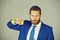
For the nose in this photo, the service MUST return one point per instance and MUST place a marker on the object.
(34, 17)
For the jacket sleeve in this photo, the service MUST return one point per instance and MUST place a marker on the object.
(50, 35)
(14, 26)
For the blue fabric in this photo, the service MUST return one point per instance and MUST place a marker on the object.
(32, 33)
(45, 32)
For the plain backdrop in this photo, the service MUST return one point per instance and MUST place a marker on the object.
(10, 9)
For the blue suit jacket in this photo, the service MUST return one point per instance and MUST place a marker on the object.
(45, 32)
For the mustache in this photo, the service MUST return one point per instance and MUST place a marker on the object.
(34, 20)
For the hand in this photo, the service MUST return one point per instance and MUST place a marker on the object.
(18, 21)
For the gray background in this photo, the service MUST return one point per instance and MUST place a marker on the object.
(10, 9)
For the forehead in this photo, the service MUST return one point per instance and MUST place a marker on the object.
(35, 12)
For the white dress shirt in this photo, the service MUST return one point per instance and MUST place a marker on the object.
(37, 29)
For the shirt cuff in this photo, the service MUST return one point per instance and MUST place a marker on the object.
(13, 21)
(22, 22)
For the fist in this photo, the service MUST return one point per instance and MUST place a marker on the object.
(19, 21)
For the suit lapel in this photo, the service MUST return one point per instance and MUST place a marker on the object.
(27, 29)
(41, 32)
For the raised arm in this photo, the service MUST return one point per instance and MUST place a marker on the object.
(15, 24)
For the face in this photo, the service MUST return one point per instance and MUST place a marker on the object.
(35, 17)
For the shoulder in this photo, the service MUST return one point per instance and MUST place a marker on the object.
(27, 22)
(47, 27)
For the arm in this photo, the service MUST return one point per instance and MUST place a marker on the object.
(13, 24)
(50, 35)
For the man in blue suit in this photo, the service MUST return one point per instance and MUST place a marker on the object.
(34, 29)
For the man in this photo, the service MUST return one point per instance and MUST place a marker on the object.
(34, 29)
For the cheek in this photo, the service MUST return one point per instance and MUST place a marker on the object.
(32, 18)
(37, 18)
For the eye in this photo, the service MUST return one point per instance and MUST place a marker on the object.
(32, 15)
(36, 15)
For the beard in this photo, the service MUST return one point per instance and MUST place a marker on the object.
(35, 22)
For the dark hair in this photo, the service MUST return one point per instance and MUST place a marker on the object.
(36, 8)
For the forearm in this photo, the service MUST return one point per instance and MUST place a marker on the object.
(12, 25)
